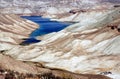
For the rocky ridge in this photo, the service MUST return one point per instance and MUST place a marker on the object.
(50, 7)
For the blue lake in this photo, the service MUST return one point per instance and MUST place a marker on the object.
(46, 26)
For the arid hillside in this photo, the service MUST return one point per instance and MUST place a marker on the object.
(12, 30)
(88, 49)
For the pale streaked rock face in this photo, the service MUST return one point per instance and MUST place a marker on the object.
(13, 29)
(89, 46)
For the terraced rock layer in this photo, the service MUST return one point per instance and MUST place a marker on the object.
(13, 28)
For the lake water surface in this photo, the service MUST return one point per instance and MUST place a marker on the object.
(45, 26)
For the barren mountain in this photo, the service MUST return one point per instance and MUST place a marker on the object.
(90, 46)
(43, 7)
(87, 49)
